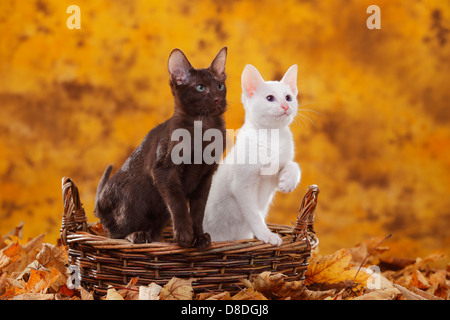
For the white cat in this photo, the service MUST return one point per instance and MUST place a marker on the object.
(241, 191)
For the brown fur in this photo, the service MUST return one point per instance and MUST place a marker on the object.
(149, 189)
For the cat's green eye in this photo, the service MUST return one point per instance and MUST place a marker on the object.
(200, 88)
(221, 86)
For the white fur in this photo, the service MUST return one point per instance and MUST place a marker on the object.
(241, 193)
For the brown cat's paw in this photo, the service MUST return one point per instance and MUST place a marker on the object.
(203, 242)
(139, 237)
(184, 238)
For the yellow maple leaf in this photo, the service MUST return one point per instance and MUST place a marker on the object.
(333, 268)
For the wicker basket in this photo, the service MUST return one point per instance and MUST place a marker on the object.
(103, 261)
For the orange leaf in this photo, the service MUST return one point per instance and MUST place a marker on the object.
(327, 268)
(66, 291)
(37, 278)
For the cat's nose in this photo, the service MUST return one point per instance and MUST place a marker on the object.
(284, 107)
(217, 101)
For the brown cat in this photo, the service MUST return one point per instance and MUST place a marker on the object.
(150, 188)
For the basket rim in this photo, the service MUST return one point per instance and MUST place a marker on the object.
(74, 229)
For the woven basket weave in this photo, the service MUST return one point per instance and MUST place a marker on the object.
(103, 261)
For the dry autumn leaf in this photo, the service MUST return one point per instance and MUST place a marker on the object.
(86, 295)
(333, 268)
(273, 286)
(177, 289)
(52, 256)
(112, 294)
(249, 294)
(220, 296)
(383, 294)
(150, 292)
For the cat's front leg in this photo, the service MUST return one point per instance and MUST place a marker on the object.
(169, 186)
(197, 204)
(289, 177)
(246, 195)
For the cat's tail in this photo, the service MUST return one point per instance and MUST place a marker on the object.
(101, 185)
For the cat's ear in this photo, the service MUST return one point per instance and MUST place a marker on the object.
(251, 79)
(218, 64)
(179, 67)
(290, 79)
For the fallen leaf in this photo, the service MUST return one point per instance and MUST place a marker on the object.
(307, 294)
(86, 295)
(17, 232)
(17, 258)
(269, 284)
(52, 256)
(425, 295)
(150, 292)
(56, 280)
(337, 286)
(220, 296)
(112, 294)
(33, 296)
(131, 291)
(177, 289)
(249, 294)
(409, 295)
(64, 290)
(395, 263)
(367, 251)
(333, 268)
(37, 281)
(383, 294)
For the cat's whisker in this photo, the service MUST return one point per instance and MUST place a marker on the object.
(297, 119)
(308, 118)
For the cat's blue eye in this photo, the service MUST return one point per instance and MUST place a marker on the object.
(221, 86)
(200, 88)
(270, 98)
(288, 98)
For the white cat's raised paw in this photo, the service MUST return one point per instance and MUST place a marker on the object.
(289, 178)
(271, 238)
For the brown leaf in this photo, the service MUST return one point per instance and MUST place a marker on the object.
(274, 286)
(177, 289)
(383, 294)
(2, 284)
(33, 247)
(425, 294)
(52, 256)
(409, 295)
(395, 263)
(368, 250)
(150, 292)
(220, 296)
(131, 291)
(17, 232)
(86, 295)
(307, 294)
(33, 296)
(112, 294)
(338, 286)
(249, 294)
(269, 284)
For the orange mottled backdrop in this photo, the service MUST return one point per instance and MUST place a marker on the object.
(375, 130)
